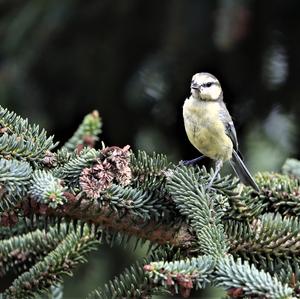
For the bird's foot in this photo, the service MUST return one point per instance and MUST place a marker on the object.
(209, 185)
(191, 162)
(218, 167)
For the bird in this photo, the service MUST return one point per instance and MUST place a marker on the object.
(210, 129)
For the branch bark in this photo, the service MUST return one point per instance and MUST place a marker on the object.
(90, 212)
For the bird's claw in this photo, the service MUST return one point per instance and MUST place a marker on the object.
(186, 162)
(191, 162)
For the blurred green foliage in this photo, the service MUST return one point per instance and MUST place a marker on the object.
(133, 60)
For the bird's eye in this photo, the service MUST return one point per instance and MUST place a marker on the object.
(209, 84)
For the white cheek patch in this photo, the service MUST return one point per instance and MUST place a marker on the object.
(211, 93)
(215, 92)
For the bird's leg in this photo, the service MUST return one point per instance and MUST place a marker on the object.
(191, 162)
(219, 164)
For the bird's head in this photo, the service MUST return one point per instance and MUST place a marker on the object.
(206, 87)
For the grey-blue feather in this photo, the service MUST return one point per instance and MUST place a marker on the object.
(241, 171)
(236, 161)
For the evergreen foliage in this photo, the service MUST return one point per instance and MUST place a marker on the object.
(21, 140)
(227, 273)
(56, 204)
(203, 210)
(17, 253)
(47, 273)
(57, 292)
(71, 170)
(14, 181)
(132, 283)
(291, 167)
(87, 133)
(183, 273)
(250, 281)
(47, 189)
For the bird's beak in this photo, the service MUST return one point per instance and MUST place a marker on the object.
(195, 86)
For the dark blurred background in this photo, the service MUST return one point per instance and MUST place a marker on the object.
(133, 61)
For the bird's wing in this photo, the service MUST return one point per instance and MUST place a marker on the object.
(230, 131)
(229, 126)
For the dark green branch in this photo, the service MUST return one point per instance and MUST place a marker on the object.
(91, 212)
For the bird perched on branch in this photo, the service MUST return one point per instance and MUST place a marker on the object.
(210, 129)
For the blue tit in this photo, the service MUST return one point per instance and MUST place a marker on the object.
(210, 128)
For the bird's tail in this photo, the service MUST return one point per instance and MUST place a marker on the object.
(241, 171)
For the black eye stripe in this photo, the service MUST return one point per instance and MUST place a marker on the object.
(208, 84)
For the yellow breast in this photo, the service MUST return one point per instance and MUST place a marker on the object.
(206, 130)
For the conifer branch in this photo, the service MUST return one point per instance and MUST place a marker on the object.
(48, 272)
(269, 234)
(87, 133)
(228, 234)
(47, 189)
(17, 251)
(71, 170)
(14, 182)
(247, 280)
(239, 279)
(278, 194)
(20, 140)
(132, 283)
(91, 212)
(203, 210)
(182, 276)
(56, 292)
(291, 167)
